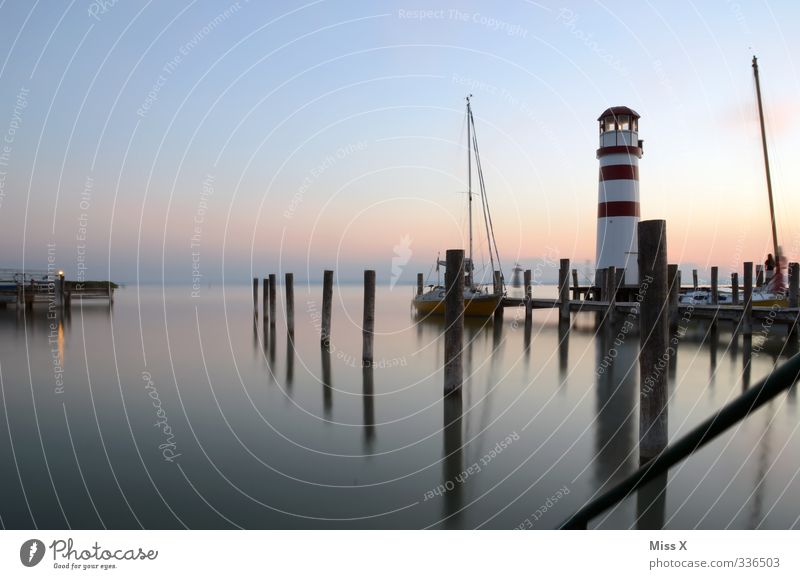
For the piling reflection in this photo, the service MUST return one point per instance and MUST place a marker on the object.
(563, 349)
(368, 396)
(616, 389)
(327, 388)
(713, 350)
(528, 331)
(453, 463)
(651, 504)
(747, 354)
(290, 356)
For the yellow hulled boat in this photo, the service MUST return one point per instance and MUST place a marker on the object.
(476, 303)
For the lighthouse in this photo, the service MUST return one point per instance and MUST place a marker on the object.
(618, 191)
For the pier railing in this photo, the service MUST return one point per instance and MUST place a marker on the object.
(779, 380)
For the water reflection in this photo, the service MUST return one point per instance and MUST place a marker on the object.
(563, 349)
(290, 355)
(651, 504)
(747, 353)
(368, 396)
(453, 463)
(616, 389)
(327, 387)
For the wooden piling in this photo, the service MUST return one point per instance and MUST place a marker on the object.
(255, 296)
(368, 329)
(674, 295)
(563, 289)
(715, 285)
(264, 297)
(654, 336)
(735, 288)
(420, 282)
(528, 295)
(794, 284)
(601, 292)
(497, 283)
(273, 294)
(747, 312)
(454, 321)
(327, 303)
(527, 278)
(694, 279)
(289, 281)
(759, 275)
(576, 292)
(611, 291)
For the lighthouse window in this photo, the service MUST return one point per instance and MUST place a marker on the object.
(624, 122)
(635, 125)
(610, 124)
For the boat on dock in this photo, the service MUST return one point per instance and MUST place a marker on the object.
(479, 300)
(773, 292)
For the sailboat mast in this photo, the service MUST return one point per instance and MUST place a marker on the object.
(469, 185)
(766, 161)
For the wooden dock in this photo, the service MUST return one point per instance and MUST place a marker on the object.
(700, 311)
(27, 288)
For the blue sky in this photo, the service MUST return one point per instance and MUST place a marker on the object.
(331, 130)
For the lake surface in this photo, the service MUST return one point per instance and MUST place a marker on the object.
(167, 411)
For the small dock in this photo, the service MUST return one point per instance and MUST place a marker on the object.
(29, 287)
(614, 298)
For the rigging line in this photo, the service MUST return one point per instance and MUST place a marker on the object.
(483, 192)
(490, 226)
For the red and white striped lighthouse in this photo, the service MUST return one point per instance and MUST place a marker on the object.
(618, 199)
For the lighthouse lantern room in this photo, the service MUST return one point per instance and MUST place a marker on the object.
(618, 198)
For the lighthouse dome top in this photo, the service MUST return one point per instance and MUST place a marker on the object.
(616, 111)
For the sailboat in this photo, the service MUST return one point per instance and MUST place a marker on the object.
(478, 300)
(773, 292)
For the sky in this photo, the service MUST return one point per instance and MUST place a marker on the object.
(184, 141)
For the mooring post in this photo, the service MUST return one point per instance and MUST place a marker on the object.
(735, 288)
(273, 294)
(759, 275)
(453, 321)
(327, 303)
(694, 279)
(528, 295)
(289, 281)
(794, 284)
(420, 281)
(60, 290)
(674, 295)
(264, 297)
(368, 330)
(611, 292)
(527, 283)
(654, 336)
(747, 312)
(715, 285)
(497, 283)
(576, 292)
(563, 289)
(255, 297)
(600, 285)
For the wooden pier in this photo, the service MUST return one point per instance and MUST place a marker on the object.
(27, 288)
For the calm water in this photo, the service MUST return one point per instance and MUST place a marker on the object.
(174, 412)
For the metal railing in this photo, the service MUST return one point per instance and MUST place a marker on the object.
(779, 380)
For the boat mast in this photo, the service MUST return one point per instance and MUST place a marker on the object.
(766, 161)
(469, 188)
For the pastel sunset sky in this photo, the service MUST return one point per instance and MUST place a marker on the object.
(249, 137)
